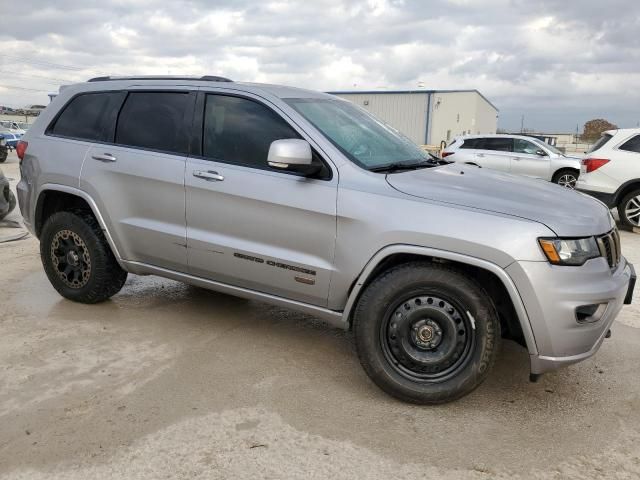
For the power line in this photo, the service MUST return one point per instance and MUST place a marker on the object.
(28, 75)
(15, 87)
(43, 63)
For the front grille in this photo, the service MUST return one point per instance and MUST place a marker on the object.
(609, 245)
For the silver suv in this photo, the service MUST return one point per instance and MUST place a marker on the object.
(518, 154)
(304, 200)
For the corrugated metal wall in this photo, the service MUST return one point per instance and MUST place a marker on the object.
(406, 112)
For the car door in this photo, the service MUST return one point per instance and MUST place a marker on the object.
(137, 180)
(526, 160)
(247, 224)
(494, 153)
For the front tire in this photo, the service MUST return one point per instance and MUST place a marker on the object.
(629, 209)
(77, 258)
(566, 177)
(426, 333)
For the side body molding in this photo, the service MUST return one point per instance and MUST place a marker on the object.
(456, 257)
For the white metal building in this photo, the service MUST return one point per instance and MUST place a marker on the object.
(429, 116)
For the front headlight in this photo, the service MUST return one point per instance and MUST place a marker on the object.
(569, 251)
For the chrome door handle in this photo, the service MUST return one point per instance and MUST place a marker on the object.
(481, 155)
(515, 158)
(105, 157)
(210, 176)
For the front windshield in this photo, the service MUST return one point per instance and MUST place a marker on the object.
(364, 139)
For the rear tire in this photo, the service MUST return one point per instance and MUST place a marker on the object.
(12, 202)
(567, 177)
(77, 258)
(629, 209)
(426, 333)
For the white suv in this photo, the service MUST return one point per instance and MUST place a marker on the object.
(611, 173)
(518, 154)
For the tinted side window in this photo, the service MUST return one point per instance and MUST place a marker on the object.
(498, 144)
(238, 130)
(472, 143)
(154, 120)
(632, 145)
(90, 116)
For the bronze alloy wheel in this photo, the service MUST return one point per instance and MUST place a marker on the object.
(70, 258)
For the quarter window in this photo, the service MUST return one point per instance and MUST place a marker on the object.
(240, 131)
(90, 116)
(601, 142)
(632, 145)
(154, 120)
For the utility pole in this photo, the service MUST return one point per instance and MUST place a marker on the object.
(522, 124)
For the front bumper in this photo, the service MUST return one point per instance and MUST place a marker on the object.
(551, 295)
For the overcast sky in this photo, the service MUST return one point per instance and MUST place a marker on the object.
(557, 62)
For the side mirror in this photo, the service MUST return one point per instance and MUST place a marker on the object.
(293, 155)
(541, 153)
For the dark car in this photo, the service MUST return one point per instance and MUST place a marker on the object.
(7, 199)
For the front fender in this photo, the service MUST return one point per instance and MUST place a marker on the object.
(452, 256)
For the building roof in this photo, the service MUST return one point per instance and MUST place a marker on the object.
(370, 92)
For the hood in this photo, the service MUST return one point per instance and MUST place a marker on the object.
(566, 212)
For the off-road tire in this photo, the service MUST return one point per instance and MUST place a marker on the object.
(105, 277)
(12, 202)
(382, 299)
(561, 174)
(622, 206)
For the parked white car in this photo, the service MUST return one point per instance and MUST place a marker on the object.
(13, 127)
(611, 173)
(517, 154)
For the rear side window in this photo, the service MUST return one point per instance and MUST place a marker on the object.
(240, 131)
(90, 116)
(498, 144)
(631, 145)
(472, 143)
(601, 142)
(154, 121)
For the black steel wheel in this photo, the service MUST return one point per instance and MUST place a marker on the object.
(427, 338)
(426, 333)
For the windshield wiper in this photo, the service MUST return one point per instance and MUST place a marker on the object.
(403, 166)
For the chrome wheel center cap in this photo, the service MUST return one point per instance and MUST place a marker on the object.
(425, 333)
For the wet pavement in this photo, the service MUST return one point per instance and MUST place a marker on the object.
(171, 381)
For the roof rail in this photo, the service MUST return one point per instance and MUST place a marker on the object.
(206, 78)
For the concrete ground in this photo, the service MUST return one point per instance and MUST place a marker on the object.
(170, 381)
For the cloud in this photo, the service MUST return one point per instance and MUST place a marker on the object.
(558, 62)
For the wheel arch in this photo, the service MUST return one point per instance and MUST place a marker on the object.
(564, 168)
(498, 284)
(626, 188)
(53, 198)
